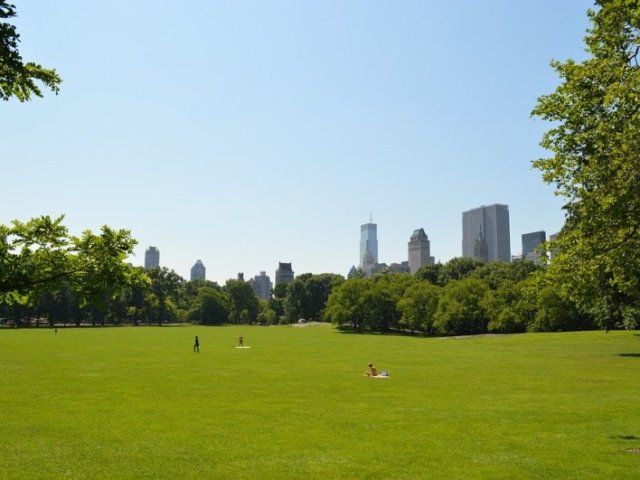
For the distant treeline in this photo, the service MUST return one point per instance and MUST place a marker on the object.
(49, 276)
(462, 297)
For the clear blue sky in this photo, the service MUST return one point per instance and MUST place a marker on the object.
(245, 133)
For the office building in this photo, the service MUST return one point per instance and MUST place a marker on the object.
(198, 272)
(480, 247)
(284, 273)
(262, 285)
(530, 243)
(368, 243)
(151, 258)
(419, 251)
(369, 264)
(486, 234)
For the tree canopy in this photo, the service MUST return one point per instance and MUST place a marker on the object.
(40, 253)
(595, 166)
(17, 78)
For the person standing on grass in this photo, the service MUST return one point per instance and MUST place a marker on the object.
(196, 345)
(241, 341)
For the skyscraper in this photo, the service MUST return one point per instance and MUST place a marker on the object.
(151, 258)
(368, 242)
(419, 251)
(530, 242)
(486, 234)
(198, 271)
(262, 285)
(480, 248)
(284, 273)
(368, 263)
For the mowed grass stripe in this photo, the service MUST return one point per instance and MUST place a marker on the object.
(138, 402)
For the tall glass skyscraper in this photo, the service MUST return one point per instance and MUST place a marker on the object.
(368, 241)
(530, 243)
(486, 234)
(151, 258)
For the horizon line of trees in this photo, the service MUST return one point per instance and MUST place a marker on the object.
(48, 275)
(462, 297)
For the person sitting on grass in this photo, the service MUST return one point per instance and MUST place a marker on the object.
(372, 372)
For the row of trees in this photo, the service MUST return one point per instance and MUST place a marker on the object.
(462, 297)
(40, 261)
(47, 274)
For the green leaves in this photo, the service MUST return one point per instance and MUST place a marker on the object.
(18, 79)
(39, 257)
(101, 269)
(244, 306)
(33, 254)
(595, 165)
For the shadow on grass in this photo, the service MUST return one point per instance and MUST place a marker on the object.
(636, 355)
(625, 437)
(392, 333)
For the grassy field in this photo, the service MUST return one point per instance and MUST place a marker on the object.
(138, 403)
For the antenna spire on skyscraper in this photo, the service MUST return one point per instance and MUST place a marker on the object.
(370, 217)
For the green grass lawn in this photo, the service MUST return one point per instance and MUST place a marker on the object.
(138, 403)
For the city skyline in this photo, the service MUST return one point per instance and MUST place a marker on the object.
(324, 111)
(419, 245)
